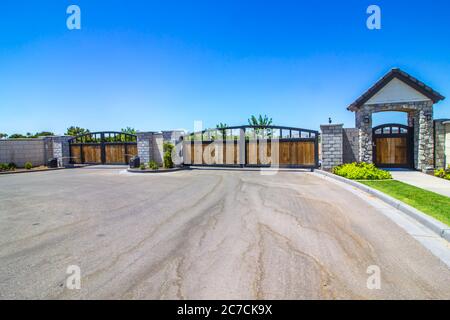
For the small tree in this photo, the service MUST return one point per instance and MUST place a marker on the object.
(76, 131)
(261, 122)
(17, 136)
(222, 126)
(167, 149)
(3, 135)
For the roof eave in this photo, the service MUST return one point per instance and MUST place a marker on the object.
(403, 76)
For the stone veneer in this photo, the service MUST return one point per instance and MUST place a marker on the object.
(350, 145)
(418, 114)
(61, 150)
(331, 145)
(442, 143)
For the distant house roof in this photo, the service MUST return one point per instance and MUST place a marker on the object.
(403, 76)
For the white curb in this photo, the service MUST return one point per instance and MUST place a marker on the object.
(436, 226)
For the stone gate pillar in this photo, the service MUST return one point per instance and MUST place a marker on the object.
(332, 145)
(61, 150)
(145, 146)
(425, 139)
(363, 120)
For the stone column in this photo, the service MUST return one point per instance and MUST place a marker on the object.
(332, 145)
(425, 139)
(439, 131)
(365, 135)
(145, 146)
(61, 150)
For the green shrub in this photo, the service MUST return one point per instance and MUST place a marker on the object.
(153, 165)
(12, 166)
(4, 167)
(443, 173)
(142, 166)
(361, 171)
(28, 165)
(167, 158)
(167, 146)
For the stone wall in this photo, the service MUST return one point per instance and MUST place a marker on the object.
(151, 144)
(442, 143)
(447, 145)
(20, 151)
(145, 146)
(332, 145)
(350, 145)
(420, 115)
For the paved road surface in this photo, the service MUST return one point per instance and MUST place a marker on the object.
(203, 235)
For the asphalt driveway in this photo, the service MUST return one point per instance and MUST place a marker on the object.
(203, 235)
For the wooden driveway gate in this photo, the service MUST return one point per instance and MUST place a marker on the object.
(393, 146)
(253, 146)
(103, 148)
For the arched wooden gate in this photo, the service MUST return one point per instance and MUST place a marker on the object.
(393, 146)
(103, 148)
(253, 146)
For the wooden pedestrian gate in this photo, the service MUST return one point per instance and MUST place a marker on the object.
(253, 146)
(103, 148)
(393, 146)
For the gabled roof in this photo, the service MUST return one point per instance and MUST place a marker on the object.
(403, 76)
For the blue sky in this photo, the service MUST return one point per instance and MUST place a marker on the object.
(157, 65)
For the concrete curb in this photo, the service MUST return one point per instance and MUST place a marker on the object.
(155, 171)
(30, 171)
(436, 226)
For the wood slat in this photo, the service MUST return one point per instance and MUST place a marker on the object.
(392, 151)
(75, 152)
(115, 154)
(92, 153)
(289, 153)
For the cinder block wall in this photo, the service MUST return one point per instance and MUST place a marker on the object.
(20, 151)
(332, 145)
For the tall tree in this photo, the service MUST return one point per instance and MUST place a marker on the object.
(129, 130)
(76, 131)
(3, 135)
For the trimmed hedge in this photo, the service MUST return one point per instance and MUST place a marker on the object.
(361, 171)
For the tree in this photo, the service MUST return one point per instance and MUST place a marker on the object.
(43, 134)
(76, 131)
(260, 121)
(222, 126)
(3, 135)
(17, 136)
(129, 130)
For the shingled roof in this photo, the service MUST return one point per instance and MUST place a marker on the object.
(403, 76)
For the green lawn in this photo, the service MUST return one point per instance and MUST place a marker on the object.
(431, 203)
